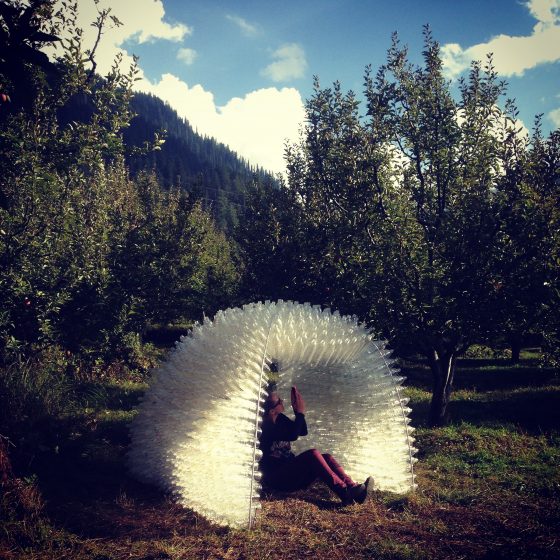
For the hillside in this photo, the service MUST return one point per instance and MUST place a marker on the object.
(199, 164)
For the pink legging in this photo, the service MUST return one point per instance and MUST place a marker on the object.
(305, 468)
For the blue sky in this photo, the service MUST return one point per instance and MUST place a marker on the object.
(241, 70)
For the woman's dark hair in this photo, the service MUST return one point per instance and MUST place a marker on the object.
(271, 388)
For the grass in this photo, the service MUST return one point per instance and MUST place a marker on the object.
(489, 487)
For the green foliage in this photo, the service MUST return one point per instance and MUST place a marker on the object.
(24, 29)
(273, 244)
(527, 269)
(171, 261)
(429, 217)
(56, 192)
(481, 351)
(89, 257)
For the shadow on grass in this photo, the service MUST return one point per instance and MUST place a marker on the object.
(533, 410)
(485, 375)
(89, 493)
(317, 494)
(503, 376)
(87, 488)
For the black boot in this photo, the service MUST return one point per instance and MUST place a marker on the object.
(358, 494)
(342, 493)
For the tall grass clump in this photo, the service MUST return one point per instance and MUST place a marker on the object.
(35, 393)
(34, 390)
(34, 387)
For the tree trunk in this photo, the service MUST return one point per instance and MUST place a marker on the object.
(515, 345)
(515, 353)
(442, 364)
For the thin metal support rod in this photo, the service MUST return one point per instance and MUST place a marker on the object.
(256, 433)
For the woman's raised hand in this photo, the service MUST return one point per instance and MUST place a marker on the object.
(298, 404)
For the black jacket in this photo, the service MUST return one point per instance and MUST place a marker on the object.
(276, 437)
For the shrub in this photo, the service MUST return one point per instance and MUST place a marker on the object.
(482, 352)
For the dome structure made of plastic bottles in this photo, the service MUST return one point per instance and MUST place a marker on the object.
(196, 434)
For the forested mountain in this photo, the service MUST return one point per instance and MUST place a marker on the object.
(200, 164)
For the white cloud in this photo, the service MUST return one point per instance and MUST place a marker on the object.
(513, 55)
(290, 63)
(143, 21)
(255, 126)
(502, 127)
(545, 11)
(248, 29)
(554, 116)
(188, 56)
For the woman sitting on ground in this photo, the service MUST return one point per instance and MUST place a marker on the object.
(282, 470)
